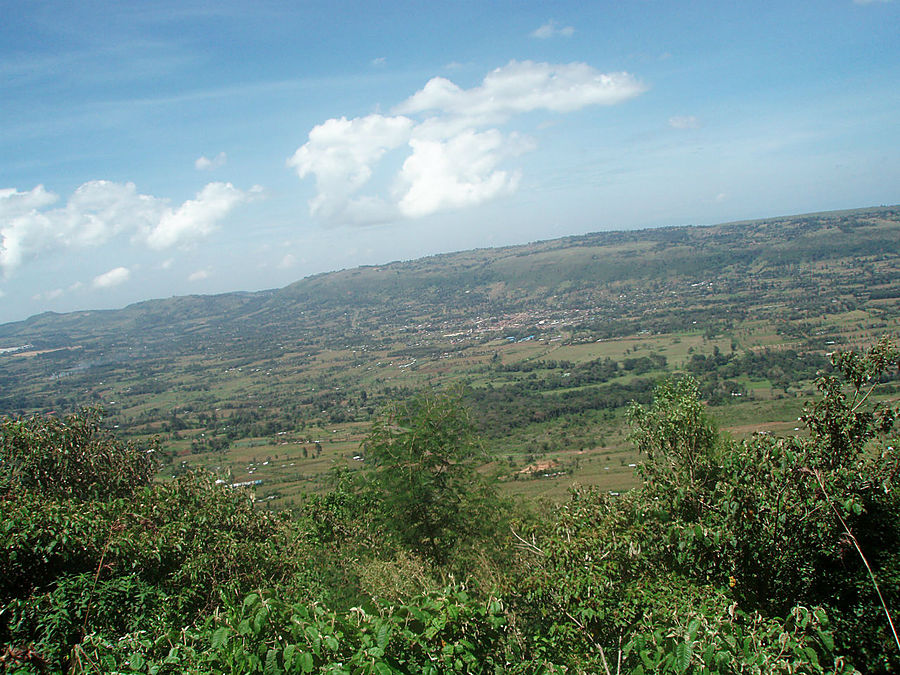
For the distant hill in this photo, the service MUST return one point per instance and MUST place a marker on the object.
(549, 341)
(573, 272)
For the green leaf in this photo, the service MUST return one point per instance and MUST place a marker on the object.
(220, 637)
(812, 656)
(827, 640)
(288, 656)
(271, 665)
(136, 662)
(260, 619)
(384, 633)
(306, 662)
(693, 627)
(682, 656)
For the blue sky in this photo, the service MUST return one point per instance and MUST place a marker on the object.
(151, 149)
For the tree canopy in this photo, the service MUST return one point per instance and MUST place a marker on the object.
(425, 457)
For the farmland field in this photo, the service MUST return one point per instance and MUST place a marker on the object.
(548, 343)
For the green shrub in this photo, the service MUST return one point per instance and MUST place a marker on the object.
(762, 556)
(71, 457)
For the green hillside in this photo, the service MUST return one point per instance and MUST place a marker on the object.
(549, 342)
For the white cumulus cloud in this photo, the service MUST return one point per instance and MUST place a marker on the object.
(197, 217)
(451, 139)
(550, 30)
(14, 203)
(341, 153)
(114, 277)
(203, 163)
(461, 171)
(96, 212)
(99, 210)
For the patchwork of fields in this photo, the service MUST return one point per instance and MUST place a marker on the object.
(547, 342)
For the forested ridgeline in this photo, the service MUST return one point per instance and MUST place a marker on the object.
(765, 555)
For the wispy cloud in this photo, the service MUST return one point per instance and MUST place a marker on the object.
(551, 30)
(684, 122)
(114, 277)
(524, 86)
(108, 64)
(52, 294)
(56, 293)
(198, 275)
(451, 140)
(205, 164)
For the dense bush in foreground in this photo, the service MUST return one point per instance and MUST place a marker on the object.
(762, 556)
